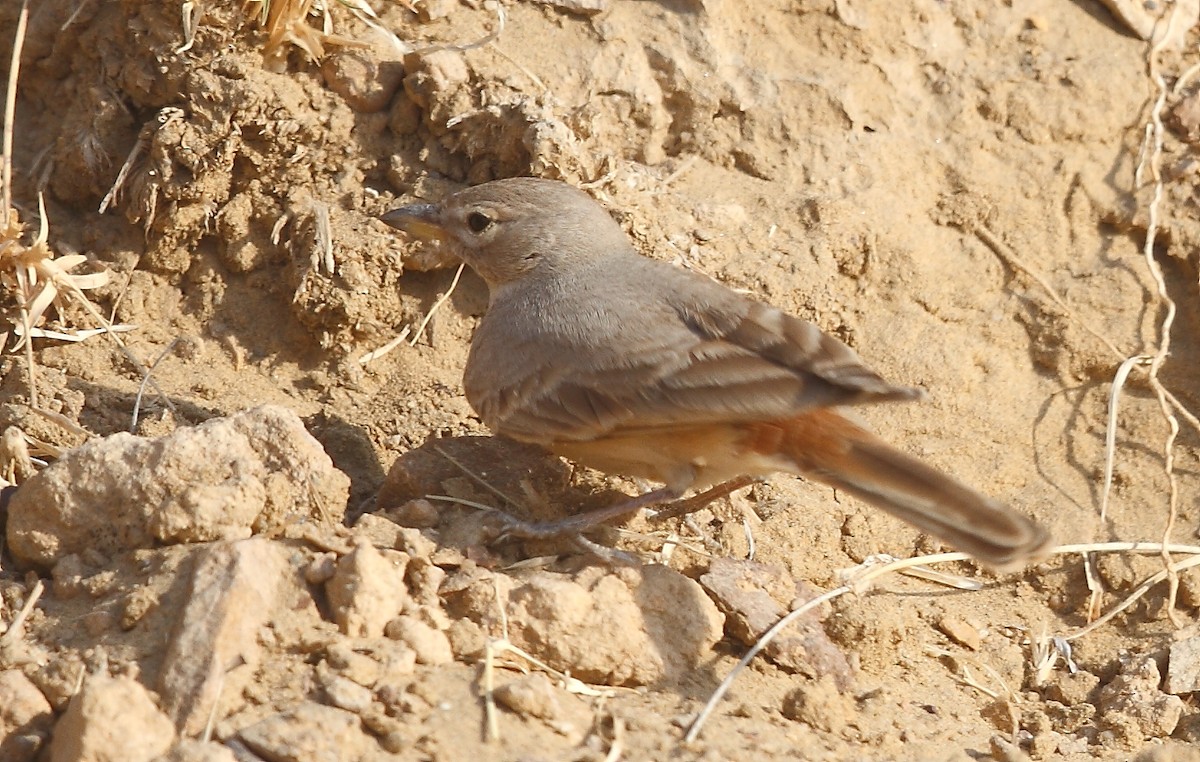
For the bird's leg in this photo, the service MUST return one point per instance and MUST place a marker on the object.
(573, 525)
(697, 502)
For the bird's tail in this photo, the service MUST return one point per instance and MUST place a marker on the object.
(829, 448)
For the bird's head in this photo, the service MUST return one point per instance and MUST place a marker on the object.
(506, 229)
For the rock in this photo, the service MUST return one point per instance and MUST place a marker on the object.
(1168, 751)
(415, 543)
(58, 679)
(397, 661)
(530, 696)
(366, 82)
(424, 580)
(231, 593)
(1070, 688)
(1183, 666)
(431, 10)
(343, 692)
(68, 575)
(382, 532)
(1149, 20)
(622, 627)
(467, 639)
(750, 594)
(432, 615)
(136, 605)
(578, 7)
(320, 569)
(433, 73)
(25, 717)
(1189, 730)
(431, 645)
(1133, 703)
(188, 750)
(221, 480)
(960, 631)
(1004, 750)
(309, 732)
(111, 719)
(419, 513)
(348, 663)
(1184, 118)
(534, 696)
(367, 591)
(821, 704)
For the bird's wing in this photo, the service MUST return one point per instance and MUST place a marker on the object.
(708, 355)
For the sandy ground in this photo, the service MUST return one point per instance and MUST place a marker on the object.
(924, 180)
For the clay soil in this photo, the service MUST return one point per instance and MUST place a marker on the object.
(914, 177)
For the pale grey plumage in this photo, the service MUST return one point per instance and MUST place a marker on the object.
(568, 352)
(633, 366)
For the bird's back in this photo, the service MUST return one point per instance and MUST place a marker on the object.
(625, 342)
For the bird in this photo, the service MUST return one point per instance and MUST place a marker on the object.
(640, 368)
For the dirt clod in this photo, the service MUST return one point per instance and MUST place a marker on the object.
(821, 704)
(221, 480)
(1134, 707)
(308, 732)
(609, 628)
(112, 718)
(430, 645)
(367, 590)
(25, 717)
(1183, 670)
(232, 591)
(750, 595)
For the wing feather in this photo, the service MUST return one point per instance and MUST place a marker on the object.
(709, 355)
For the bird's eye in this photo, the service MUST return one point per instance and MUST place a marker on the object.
(478, 222)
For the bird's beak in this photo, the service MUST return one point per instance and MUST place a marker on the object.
(420, 220)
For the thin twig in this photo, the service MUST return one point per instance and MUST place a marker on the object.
(467, 503)
(10, 107)
(137, 402)
(1005, 252)
(861, 577)
(1164, 342)
(211, 722)
(1110, 432)
(375, 354)
(489, 669)
(437, 305)
(1091, 576)
(476, 478)
(64, 422)
(617, 747)
(1166, 573)
(698, 724)
(14, 628)
(487, 39)
(10, 115)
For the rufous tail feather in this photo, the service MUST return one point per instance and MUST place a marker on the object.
(830, 449)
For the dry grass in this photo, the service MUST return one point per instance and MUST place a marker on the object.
(29, 271)
(496, 647)
(31, 275)
(309, 26)
(1045, 650)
